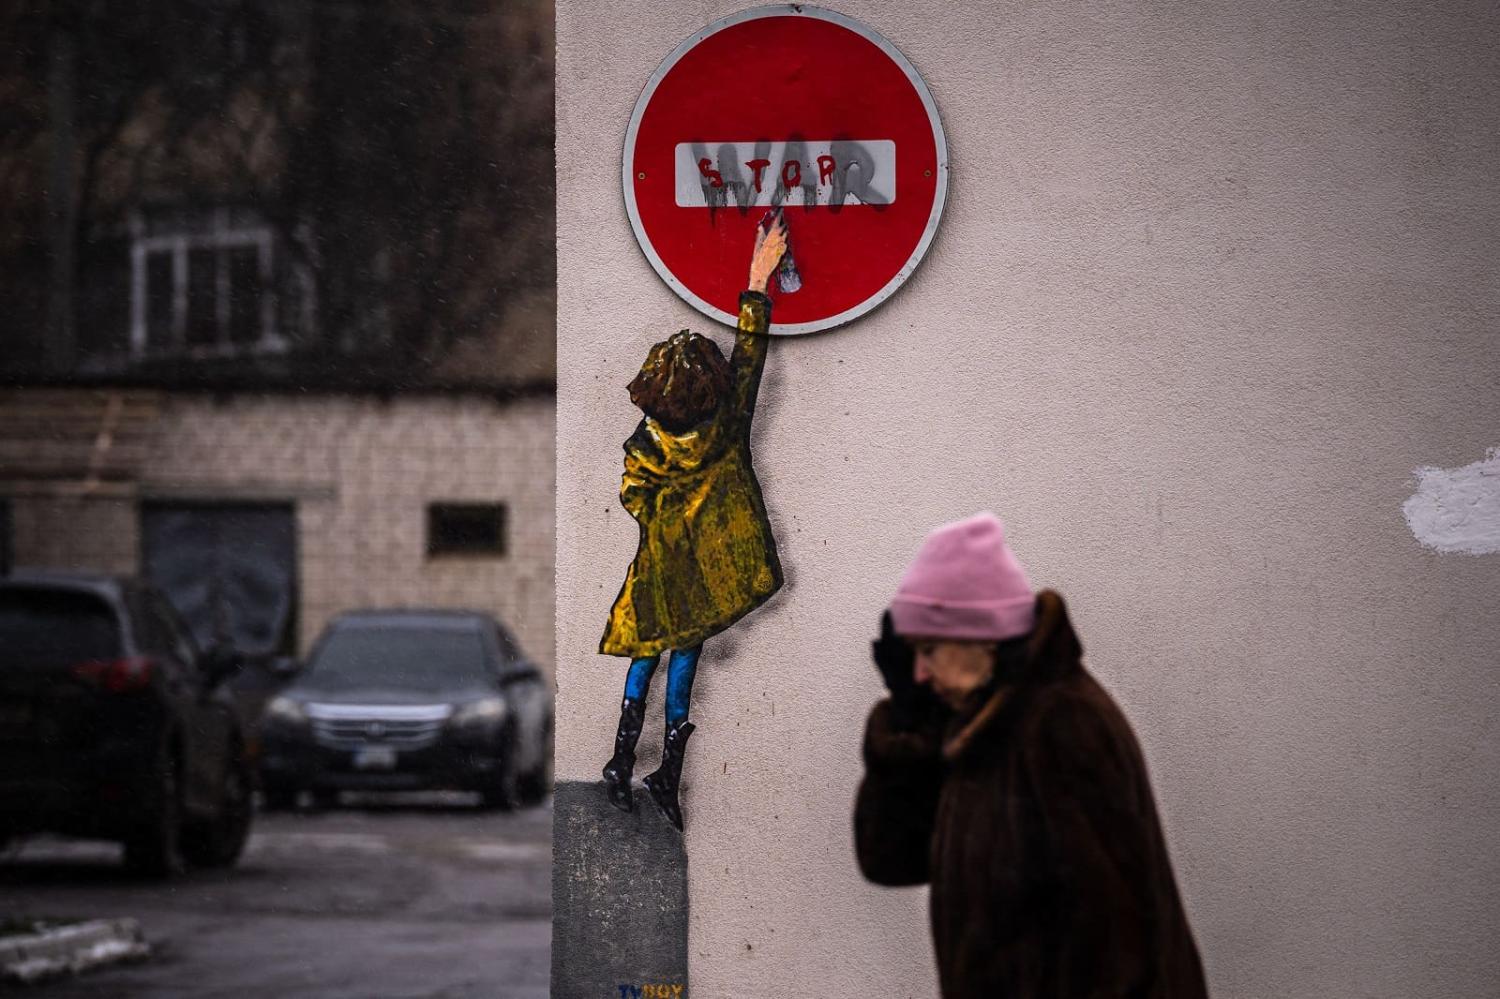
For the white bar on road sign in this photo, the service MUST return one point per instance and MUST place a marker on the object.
(795, 172)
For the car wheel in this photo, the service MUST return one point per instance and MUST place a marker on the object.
(219, 842)
(505, 793)
(280, 799)
(534, 786)
(154, 848)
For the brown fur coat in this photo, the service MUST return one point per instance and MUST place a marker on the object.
(1033, 819)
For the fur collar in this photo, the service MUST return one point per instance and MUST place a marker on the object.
(1052, 653)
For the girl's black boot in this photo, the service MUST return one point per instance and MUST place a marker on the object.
(664, 782)
(620, 766)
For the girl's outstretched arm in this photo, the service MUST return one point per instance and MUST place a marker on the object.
(749, 358)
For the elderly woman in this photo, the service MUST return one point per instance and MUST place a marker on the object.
(706, 556)
(1000, 772)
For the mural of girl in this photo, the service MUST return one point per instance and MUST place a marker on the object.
(706, 556)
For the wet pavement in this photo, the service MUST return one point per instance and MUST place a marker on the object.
(386, 898)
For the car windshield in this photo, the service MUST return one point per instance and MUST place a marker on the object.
(424, 658)
(49, 628)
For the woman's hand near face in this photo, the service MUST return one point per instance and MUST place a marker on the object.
(770, 244)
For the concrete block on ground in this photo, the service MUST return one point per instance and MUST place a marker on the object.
(619, 895)
(70, 948)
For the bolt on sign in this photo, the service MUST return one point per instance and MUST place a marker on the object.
(798, 108)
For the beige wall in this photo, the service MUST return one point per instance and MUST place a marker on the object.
(363, 471)
(1214, 279)
(360, 472)
(67, 530)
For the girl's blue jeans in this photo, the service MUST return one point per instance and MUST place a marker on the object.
(681, 667)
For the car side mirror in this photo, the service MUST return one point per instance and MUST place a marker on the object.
(285, 667)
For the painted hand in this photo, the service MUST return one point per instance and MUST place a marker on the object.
(770, 244)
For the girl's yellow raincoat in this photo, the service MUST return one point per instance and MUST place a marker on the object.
(707, 556)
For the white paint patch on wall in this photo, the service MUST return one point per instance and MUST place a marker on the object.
(1457, 510)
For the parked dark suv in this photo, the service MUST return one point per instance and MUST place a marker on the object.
(411, 699)
(113, 725)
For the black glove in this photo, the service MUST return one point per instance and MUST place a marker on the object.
(897, 664)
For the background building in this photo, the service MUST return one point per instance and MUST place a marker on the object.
(277, 298)
(1213, 280)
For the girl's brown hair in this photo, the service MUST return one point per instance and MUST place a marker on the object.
(682, 381)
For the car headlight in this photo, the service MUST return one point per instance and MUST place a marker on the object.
(484, 713)
(285, 709)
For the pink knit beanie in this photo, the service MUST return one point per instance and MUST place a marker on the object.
(965, 583)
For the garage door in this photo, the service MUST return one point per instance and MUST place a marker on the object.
(230, 569)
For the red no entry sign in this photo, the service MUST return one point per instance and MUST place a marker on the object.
(796, 107)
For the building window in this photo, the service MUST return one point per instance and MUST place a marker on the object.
(466, 529)
(205, 285)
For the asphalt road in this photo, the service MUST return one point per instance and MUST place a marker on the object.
(397, 898)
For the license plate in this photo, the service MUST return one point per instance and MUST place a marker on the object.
(374, 758)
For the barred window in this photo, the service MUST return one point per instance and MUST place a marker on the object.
(466, 529)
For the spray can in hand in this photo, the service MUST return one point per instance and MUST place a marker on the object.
(788, 278)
